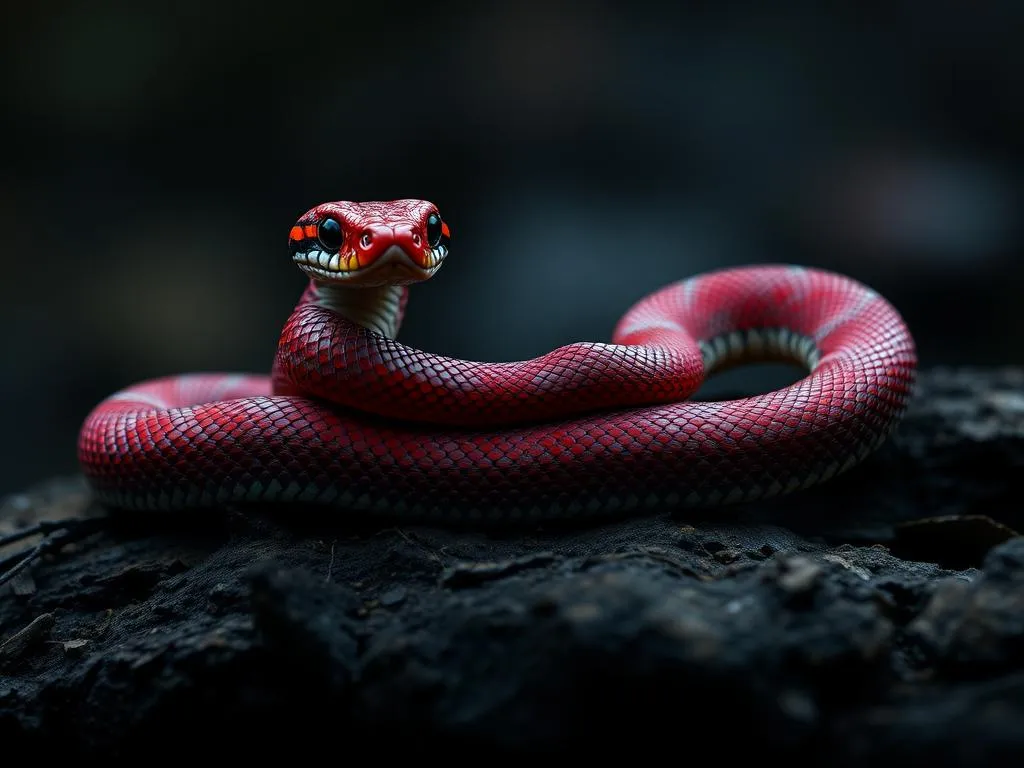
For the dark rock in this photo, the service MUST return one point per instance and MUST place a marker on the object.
(974, 629)
(879, 618)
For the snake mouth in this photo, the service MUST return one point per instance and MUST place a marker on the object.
(393, 266)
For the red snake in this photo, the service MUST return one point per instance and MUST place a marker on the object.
(351, 419)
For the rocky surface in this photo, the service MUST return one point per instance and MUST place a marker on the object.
(878, 619)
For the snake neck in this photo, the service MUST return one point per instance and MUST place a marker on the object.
(380, 309)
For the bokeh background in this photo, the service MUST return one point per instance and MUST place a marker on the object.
(156, 154)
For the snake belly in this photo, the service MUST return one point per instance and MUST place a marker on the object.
(606, 429)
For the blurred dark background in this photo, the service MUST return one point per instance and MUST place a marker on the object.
(584, 154)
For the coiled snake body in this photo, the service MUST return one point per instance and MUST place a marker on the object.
(351, 419)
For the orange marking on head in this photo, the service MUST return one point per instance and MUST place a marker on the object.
(445, 231)
(310, 230)
(296, 233)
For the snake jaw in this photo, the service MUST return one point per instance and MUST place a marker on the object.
(434, 257)
(393, 267)
(322, 265)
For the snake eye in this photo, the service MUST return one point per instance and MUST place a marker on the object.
(329, 234)
(434, 230)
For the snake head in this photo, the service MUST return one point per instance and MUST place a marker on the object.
(366, 244)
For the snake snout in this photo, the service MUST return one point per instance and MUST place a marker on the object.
(403, 248)
(377, 241)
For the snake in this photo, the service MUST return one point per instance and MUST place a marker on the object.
(350, 421)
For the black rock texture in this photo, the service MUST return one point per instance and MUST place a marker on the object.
(878, 619)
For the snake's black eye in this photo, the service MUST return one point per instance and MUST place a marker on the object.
(435, 229)
(329, 234)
